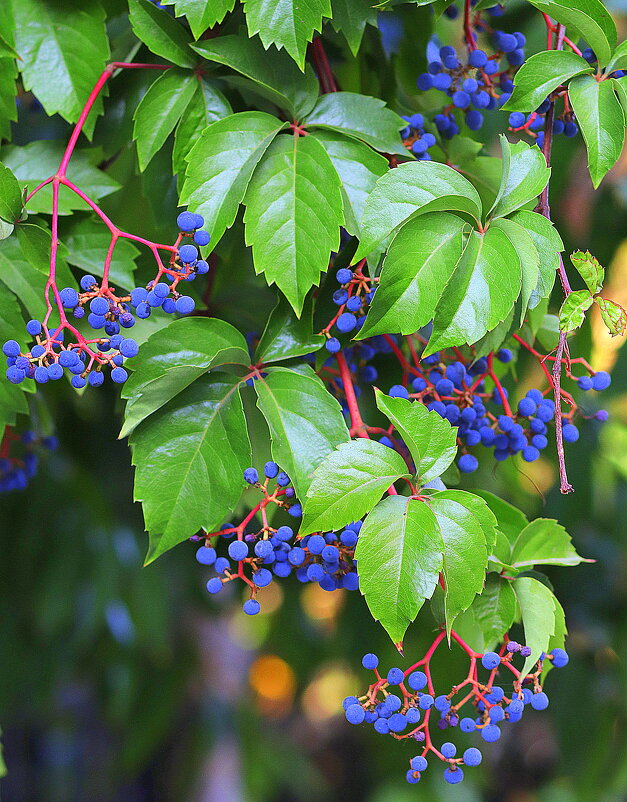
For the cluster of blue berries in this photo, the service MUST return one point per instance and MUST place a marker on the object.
(84, 360)
(353, 297)
(404, 704)
(325, 558)
(19, 458)
(416, 139)
(50, 358)
(457, 391)
(479, 83)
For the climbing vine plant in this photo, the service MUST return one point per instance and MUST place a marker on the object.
(382, 241)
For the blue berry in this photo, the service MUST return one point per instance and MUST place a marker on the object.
(355, 714)
(95, 378)
(282, 479)
(398, 391)
(417, 680)
(526, 407)
(474, 119)
(585, 383)
(11, 348)
(444, 387)
(539, 701)
(333, 345)
(214, 585)
(467, 725)
(346, 321)
(395, 676)
(448, 749)
(411, 776)
(472, 756)
(188, 253)
(570, 433)
(453, 775)
(397, 722)
(490, 660)
(560, 658)
(467, 463)
(490, 733)
(251, 607)
(530, 453)
(425, 701)
(270, 469)
(370, 661)
(206, 555)
(119, 375)
(238, 550)
(202, 238)
(478, 58)
(344, 275)
(186, 221)
(185, 304)
(601, 380)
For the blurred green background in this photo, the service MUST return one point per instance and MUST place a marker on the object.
(121, 683)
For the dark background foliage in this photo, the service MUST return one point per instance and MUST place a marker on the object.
(119, 682)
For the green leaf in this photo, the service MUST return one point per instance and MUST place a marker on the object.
(465, 553)
(544, 542)
(359, 116)
(549, 332)
(511, 521)
(589, 18)
(548, 244)
(480, 293)
(17, 273)
(288, 24)
(87, 242)
(620, 87)
(589, 269)
(421, 259)
(484, 173)
(350, 18)
(10, 195)
(490, 616)
(573, 310)
(33, 163)
(35, 246)
(11, 323)
(524, 176)
(411, 189)
(528, 260)
(175, 453)
(63, 49)
(12, 400)
(305, 421)
(293, 214)
(613, 315)
(206, 106)
(159, 111)
(175, 357)
(602, 122)
(274, 75)
(557, 640)
(618, 60)
(163, 35)
(202, 14)
(358, 167)
(8, 92)
(399, 552)
(480, 510)
(348, 484)
(286, 336)
(221, 164)
(537, 607)
(540, 75)
(430, 438)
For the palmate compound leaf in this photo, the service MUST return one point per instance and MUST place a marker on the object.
(221, 163)
(293, 215)
(482, 290)
(176, 452)
(348, 484)
(430, 438)
(409, 190)
(544, 542)
(465, 549)
(537, 607)
(418, 265)
(399, 553)
(200, 14)
(490, 615)
(161, 33)
(602, 121)
(305, 421)
(175, 357)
